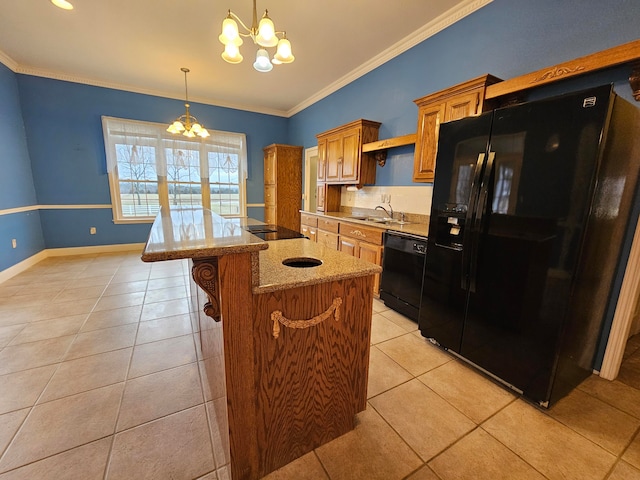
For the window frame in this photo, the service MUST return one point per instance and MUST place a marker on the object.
(156, 136)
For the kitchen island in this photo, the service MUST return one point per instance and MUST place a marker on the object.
(289, 322)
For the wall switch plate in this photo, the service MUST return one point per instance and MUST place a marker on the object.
(14, 243)
(92, 230)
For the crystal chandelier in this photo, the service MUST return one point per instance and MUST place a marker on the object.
(187, 124)
(263, 34)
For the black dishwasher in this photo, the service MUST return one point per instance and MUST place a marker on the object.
(402, 271)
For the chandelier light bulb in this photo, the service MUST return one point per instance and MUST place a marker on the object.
(230, 32)
(62, 4)
(231, 53)
(262, 63)
(263, 34)
(177, 126)
(283, 53)
(266, 32)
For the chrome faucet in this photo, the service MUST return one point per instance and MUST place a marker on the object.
(388, 212)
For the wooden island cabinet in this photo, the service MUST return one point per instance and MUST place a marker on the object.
(286, 324)
(462, 100)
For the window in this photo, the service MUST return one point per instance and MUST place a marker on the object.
(150, 168)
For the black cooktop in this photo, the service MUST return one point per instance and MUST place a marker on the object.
(272, 232)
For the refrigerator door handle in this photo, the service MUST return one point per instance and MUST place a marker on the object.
(466, 254)
(479, 220)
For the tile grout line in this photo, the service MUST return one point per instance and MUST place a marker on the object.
(124, 387)
(35, 403)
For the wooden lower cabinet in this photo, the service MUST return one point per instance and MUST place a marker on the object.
(328, 232)
(363, 242)
(309, 226)
(354, 239)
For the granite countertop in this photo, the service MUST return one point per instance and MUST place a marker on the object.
(335, 265)
(198, 233)
(413, 228)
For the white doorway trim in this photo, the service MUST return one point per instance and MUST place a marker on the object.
(623, 316)
(310, 176)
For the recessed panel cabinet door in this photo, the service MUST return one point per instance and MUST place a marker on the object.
(348, 246)
(371, 253)
(322, 161)
(350, 155)
(334, 158)
(270, 167)
(427, 142)
(462, 106)
(320, 197)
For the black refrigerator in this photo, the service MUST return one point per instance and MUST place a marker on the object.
(530, 206)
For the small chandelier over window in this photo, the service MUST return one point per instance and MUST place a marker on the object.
(263, 34)
(187, 124)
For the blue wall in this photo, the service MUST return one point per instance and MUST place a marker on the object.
(16, 181)
(64, 131)
(65, 151)
(506, 38)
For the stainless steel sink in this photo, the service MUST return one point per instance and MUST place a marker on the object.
(381, 220)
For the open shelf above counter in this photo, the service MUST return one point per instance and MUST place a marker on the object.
(381, 147)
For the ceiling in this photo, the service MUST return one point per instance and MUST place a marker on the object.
(141, 45)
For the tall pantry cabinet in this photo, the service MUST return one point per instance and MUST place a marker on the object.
(283, 185)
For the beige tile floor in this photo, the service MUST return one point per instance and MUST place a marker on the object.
(100, 378)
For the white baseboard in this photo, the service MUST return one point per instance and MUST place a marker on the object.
(123, 247)
(61, 252)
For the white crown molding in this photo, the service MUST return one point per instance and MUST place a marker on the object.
(438, 24)
(40, 72)
(8, 62)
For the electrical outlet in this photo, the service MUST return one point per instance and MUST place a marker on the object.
(92, 230)
(14, 243)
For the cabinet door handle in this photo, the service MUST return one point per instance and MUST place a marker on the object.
(358, 233)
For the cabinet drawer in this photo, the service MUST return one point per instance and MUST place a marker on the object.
(360, 232)
(310, 220)
(328, 224)
(327, 239)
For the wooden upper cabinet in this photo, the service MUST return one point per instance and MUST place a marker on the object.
(322, 160)
(334, 158)
(351, 147)
(424, 163)
(344, 162)
(462, 100)
(283, 185)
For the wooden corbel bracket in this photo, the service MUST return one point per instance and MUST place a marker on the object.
(380, 148)
(205, 274)
(381, 157)
(634, 80)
